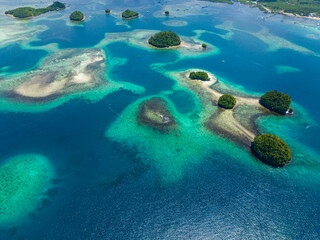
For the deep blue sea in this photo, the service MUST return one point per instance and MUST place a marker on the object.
(106, 190)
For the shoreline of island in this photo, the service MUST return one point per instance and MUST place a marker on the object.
(266, 9)
(270, 11)
(25, 13)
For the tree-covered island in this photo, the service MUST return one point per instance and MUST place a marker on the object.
(77, 16)
(276, 101)
(107, 11)
(165, 39)
(271, 150)
(29, 12)
(227, 101)
(128, 14)
(199, 76)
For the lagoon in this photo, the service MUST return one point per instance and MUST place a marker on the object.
(116, 179)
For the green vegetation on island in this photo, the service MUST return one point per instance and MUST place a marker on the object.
(77, 16)
(199, 76)
(308, 8)
(271, 150)
(221, 1)
(128, 14)
(227, 101)
(28, 12)
(301, 8)
(107, 11)
(276, 101)
(165, 39)
(204, 45)
(166, 13)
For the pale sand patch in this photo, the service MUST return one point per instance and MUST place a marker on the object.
(36, 89)
(226, 122)
(68, 73)
(81, 78)
(184, 44)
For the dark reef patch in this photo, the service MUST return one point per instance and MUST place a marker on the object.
(154, 113)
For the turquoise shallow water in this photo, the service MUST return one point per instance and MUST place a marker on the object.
(108, 186)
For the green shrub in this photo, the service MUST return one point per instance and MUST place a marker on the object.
(25, 12)
(76, 16)
(165, 39)
(204, 45)
(199, 76)
(166, 13)
(107, 11)
(271, 150)
(129, 14)
(227, 101)
(276, 101)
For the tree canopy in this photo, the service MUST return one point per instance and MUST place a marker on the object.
(129, 14)
(276, 101)
(165, 39)
(271, 150)
(25, 12)
(76, 16)
(227, 101)
(199, 76)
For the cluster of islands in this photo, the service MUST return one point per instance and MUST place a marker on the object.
(267, 147)
(30, 175)
(307, 8)
(76, 16)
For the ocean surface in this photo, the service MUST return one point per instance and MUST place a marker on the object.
(107, 188)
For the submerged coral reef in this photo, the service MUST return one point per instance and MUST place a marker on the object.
(154, 113)
(61, 76)
(61, 73)
(23, 182)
